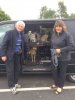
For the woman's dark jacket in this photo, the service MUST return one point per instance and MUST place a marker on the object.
(9, 44)
(63, 41)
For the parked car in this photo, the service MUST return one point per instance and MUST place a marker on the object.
(38, 34)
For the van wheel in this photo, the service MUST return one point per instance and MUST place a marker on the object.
(71, 78)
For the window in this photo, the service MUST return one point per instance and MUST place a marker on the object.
(3, 29)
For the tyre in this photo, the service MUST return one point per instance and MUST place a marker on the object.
(71, 78)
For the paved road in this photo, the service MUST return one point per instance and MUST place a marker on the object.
(36, 87)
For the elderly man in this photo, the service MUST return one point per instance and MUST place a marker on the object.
(13, 50)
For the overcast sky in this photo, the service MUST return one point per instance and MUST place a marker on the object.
(30, 9)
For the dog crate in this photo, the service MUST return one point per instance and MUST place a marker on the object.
(38, 34)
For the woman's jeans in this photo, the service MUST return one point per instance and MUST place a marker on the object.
(59, 74)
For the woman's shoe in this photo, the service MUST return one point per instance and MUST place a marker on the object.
(54, 87)
(58, 90)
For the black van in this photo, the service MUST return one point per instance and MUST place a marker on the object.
(38, 33)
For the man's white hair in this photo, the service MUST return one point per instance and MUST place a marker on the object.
(20, 22)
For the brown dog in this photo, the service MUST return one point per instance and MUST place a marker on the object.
(44, 38)
(32, 53)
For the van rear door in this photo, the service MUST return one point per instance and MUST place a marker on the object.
(38, 35)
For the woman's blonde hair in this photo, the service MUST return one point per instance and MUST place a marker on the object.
(61, 24)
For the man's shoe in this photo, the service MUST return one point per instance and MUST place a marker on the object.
(17, 86)
(13, 90)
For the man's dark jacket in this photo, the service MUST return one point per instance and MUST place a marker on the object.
(9, 44)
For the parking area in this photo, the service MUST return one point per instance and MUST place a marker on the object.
(35, 87)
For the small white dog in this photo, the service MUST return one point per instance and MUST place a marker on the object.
(32, 36)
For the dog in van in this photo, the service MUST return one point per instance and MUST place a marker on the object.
(32, 53)
(44, 38)
(32, 36)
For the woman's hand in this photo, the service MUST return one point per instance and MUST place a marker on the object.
(58, 51)
(4, 58)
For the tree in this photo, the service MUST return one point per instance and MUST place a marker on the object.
(72, 16)
(4, 16)
(43, 11)
(46, 13)
(62, 10)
